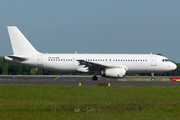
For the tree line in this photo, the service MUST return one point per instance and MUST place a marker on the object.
(10, 68)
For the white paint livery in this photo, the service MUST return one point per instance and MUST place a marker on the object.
(108, 65)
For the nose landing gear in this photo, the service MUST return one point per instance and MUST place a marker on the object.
(152, 77)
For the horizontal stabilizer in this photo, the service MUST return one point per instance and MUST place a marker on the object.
(17, 57)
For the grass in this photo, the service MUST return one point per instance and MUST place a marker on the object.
(89, 102)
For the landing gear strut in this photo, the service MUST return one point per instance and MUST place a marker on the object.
(152, 77)
(94, 78)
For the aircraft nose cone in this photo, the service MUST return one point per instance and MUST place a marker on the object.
(173, 66)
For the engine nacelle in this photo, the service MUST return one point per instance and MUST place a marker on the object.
(113, 72)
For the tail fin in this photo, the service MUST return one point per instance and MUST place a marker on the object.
(20, 44)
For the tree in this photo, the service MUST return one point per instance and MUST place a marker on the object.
(33, 71)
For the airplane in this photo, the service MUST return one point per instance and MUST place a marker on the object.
(106, 65)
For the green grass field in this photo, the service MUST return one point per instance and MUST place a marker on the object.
(41, 102)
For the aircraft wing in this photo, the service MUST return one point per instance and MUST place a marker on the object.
(92, 66)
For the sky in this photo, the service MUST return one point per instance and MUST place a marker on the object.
(94, 26)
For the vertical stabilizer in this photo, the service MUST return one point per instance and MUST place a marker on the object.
(20, 44)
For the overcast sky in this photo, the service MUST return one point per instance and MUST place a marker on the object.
(94, 26)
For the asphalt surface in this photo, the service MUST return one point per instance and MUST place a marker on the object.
(75, 80)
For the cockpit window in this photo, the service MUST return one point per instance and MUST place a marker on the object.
(165, 60)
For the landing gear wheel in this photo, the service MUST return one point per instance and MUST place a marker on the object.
(94, 78)
(152, 79)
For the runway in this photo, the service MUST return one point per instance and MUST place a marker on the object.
(75, 80)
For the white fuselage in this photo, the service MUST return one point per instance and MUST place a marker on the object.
(137, 63)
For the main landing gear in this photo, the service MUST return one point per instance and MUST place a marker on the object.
(152, 77)
(94, 78)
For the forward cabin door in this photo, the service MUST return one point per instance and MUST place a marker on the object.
(153, 60)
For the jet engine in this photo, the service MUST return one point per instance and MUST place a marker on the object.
(113, 72)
